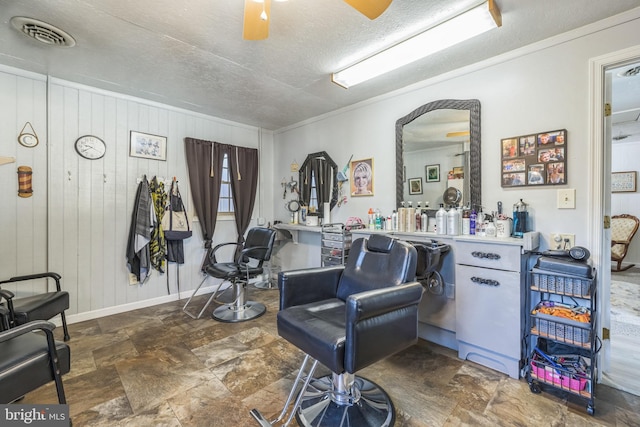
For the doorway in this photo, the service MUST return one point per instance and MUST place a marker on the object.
(624, 293)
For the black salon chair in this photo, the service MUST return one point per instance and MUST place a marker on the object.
(247, 265)
(347, 318)
(29, 359)
(40, 306)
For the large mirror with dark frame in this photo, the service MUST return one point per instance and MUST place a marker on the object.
(438, 154)
(318, 182)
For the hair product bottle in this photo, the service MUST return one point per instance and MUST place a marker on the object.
(466, 222)
(473, 217)
(441, 220)
(453, 222)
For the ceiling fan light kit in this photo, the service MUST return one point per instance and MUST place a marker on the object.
(464, 26)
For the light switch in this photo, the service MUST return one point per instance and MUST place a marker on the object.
(567, 198)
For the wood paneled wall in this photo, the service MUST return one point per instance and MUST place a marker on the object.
(77, 222)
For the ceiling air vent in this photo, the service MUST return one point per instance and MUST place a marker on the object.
(42, 32)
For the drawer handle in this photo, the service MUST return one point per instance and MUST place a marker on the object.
(484, 255)
(482, 281)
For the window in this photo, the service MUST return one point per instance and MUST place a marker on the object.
(225, 204)
(313, 197)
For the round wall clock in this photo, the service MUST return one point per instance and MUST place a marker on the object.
(90, 147)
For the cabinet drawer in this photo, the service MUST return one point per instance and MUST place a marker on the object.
(501, 257)
(488, 309)
(336, 244)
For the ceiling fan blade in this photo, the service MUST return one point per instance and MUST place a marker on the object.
(459, 133)
(369, 8)
(256, 28)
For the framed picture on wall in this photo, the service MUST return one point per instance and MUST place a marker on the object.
(362, 177)
(623, 182)
(148, 146)
(415, 186)
(432, 173)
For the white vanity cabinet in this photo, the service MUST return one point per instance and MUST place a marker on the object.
(490, 286)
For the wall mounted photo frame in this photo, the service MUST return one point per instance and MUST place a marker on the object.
(148, 146)
(362, 177)
(415, 185)
(534, 159)
(432, 173)
(624, 182)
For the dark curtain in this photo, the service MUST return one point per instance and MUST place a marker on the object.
(204, 162)
(243, 167)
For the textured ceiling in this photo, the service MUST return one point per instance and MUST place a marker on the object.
(191, 54)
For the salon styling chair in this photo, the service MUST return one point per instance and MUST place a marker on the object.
(347, 318)
(41, 306)
(29, 360)
(247, 265)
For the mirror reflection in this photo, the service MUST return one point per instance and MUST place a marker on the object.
(438, 152)
(318, 182)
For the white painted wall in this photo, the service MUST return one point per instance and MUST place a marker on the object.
(539, 88)
(625, 156)
(77, 221)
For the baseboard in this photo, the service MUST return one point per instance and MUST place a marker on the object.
(96, 314)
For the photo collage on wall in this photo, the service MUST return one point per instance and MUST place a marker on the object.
(536, 159)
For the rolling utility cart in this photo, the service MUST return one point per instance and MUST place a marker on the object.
(561, 337)
(336, 242)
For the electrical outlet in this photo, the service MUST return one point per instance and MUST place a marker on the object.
(561, 241)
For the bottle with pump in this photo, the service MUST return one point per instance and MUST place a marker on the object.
(472, 222)
(424, 221)
(418, 218)
(441, 220)
(402, 217)
(377, 220)
(453, 222)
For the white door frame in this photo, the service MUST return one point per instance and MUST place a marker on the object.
(600, 163)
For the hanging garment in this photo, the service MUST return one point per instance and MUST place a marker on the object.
(157, 246)
(142, 219)
(175, 247)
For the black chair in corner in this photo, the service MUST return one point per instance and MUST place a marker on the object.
(257, 249)
(29, 360)
(41, 306)
(347, 318)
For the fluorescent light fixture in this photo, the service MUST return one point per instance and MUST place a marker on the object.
(471, 23)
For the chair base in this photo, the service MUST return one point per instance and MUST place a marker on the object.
(232, 313)
(622, 268)
(371, 406)
(265, 284)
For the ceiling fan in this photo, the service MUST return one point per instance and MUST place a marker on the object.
(620, 136)
(257, 14)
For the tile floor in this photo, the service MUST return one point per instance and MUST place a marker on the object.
(158, 367)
